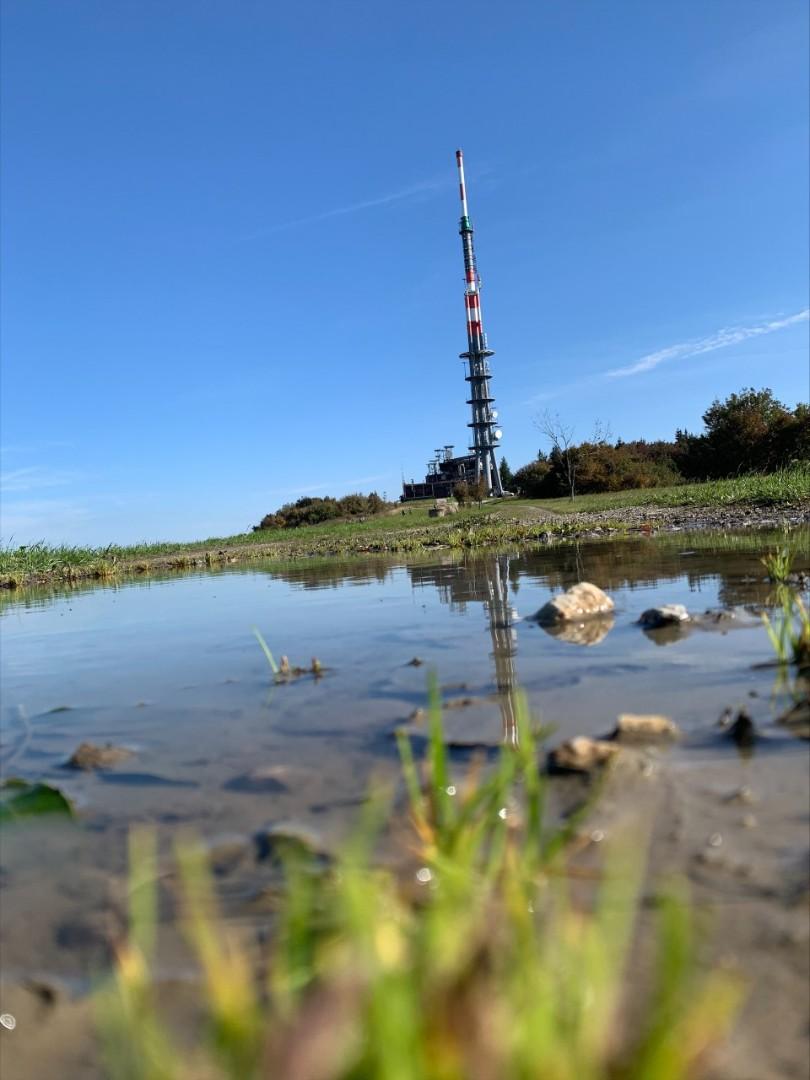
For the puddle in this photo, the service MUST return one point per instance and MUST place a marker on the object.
(171, 670)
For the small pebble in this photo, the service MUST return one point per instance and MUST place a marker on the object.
(749, 822)
(743, 731)
(715, 840)
(743, 795)
(725, 718)
(597, 836)
(423, 875)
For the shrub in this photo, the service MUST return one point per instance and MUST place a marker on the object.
(313, 511)
(534, 481)
(750, 431)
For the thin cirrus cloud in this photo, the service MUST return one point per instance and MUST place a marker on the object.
(32, 477)
(719, 340)
(424, 187)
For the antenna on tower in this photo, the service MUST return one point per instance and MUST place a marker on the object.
(485, 435)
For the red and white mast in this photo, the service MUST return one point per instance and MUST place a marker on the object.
(485, 434)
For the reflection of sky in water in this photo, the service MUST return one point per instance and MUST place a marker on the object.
(188, 641)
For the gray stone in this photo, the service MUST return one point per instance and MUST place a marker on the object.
(665, 615)
(442, 507)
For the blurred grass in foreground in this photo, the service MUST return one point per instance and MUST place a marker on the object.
(476, 964)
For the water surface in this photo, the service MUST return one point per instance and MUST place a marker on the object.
(171, 669)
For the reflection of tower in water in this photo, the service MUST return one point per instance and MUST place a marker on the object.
(485, 581)
(502, 631)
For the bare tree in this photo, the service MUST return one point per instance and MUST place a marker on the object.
(561, 437)
(602, 434)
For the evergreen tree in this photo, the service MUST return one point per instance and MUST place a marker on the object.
(507, 476)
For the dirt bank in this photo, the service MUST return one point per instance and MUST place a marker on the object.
(733, 831)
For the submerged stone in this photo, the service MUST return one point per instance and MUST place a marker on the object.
(267, 780)
(581, 754)
(797, 718)
(583, 600)
(144, 779)
(290, 840)
(226, 853)
(719, 615)
(742, 795)
(87, 756)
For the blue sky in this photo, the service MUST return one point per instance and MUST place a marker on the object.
(231, 268)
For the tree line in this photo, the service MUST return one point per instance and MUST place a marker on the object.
(748, 432)
(751, 431)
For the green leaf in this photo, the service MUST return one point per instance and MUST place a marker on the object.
(20, 799)
(266, 650)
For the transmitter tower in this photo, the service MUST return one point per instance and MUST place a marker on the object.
(485, 433)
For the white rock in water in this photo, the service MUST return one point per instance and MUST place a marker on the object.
(578, 602)
(665, 615)
(647, 726)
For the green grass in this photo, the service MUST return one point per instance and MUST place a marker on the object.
(470, 528)
(779, 562)
(407, 531)
(42, 557)
(789, 630)
(472, 959)
(773, 489)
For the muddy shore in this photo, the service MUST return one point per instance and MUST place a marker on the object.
(727, 829)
